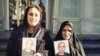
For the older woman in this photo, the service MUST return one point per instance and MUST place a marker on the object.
(66, 33)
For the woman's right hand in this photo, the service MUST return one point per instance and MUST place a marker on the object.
(37, 54)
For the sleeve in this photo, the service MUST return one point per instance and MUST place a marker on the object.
(76, 47)
(41, 48)
(81, 50)
(49, 44)
(11, 44)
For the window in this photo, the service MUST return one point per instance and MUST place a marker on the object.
(84, 14)
(1, 8)
(1, 14)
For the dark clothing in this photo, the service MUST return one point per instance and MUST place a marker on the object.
(76, 48)
(65, 54)
(14, 47)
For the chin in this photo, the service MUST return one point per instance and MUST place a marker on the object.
(66, 38)
(34, 24)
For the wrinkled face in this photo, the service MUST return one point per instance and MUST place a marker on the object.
(67, 32)
(61, 48)
(33, 17)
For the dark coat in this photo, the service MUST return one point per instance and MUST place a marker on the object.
(15, 42)
(65, 54)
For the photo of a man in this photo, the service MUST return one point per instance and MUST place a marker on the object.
(28, 45)
(61, 48)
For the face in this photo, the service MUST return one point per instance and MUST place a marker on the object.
(67, 32)
(61, 48)
(33, 17)
(29, 44)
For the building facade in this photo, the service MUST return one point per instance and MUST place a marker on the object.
(85, 14)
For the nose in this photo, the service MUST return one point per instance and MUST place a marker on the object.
(33, 16)
(67, 33)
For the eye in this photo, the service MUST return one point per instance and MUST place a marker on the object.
(36, 15)
(64, 30)
(30, 14)
(69, 30)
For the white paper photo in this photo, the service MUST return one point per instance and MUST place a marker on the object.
(28, 46)
(61, 47)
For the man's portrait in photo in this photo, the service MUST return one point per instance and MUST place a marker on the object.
(28, 46)
(61, 49)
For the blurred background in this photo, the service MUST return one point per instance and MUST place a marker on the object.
(84, 14)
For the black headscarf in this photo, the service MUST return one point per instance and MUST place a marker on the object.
(59, 35)
(76, 48)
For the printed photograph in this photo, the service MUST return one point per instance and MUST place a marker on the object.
(61, 48)
(28, 46)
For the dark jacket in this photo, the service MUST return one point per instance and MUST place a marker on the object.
(65, 54)
(15, 42)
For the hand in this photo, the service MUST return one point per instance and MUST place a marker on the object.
(37, 54)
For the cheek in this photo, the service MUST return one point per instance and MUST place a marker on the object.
(27, 16)
(38, 18)
(70, 33)
(59, 48)
(63, 34)
(28, 19)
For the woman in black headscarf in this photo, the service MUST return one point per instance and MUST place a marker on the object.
(66, 33)
(30, 28)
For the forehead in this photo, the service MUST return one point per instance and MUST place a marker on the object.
(67, 27)
(34, 10)
(61, 44)
(29, 41)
